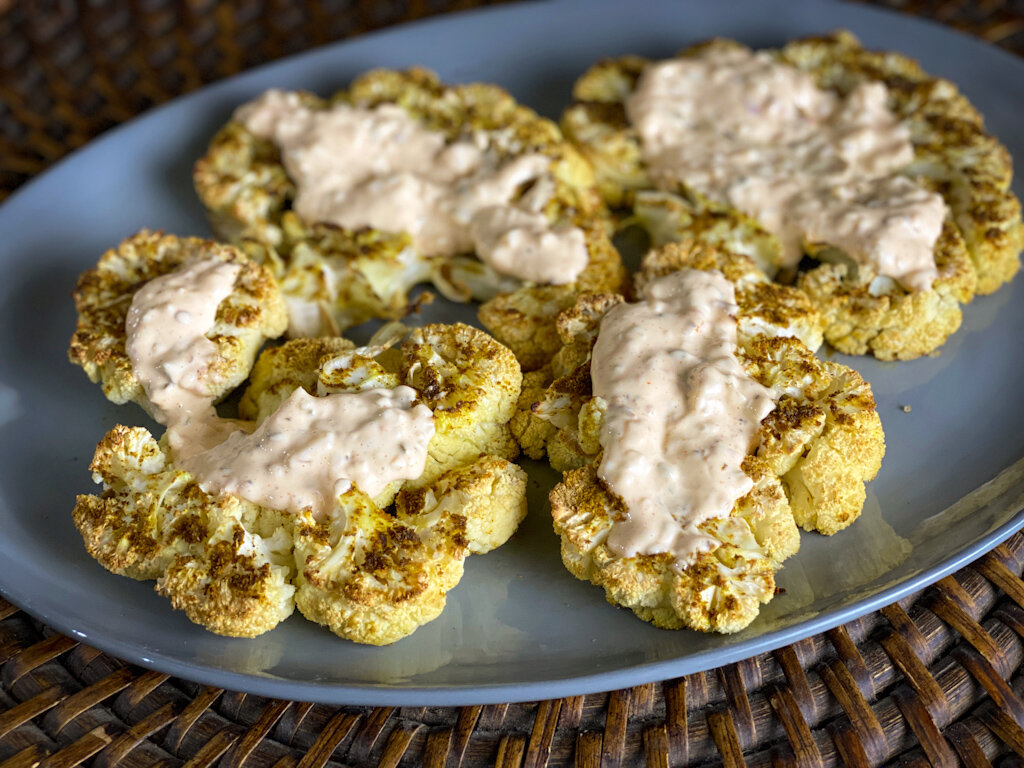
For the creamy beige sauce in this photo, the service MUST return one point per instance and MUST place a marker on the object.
(745, 130)
(380, 168)
(519, 242)
(171, 356)
(305, 454)
(681, 413)
(313, 449)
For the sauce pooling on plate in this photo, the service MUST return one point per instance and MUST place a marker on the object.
(302, 456)
(378, 167)
(681, 413)
(743, 129)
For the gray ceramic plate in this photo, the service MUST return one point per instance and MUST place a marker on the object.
(518, 626)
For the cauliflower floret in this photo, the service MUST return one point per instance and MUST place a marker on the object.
(861, 312)
(333, 278)
(224, 561)
(824, 438)
(970, 168)
(252, 313)
(596, 123)
(530, 431)
(489, 494)
(472, 384)
(238, 586)
(869, 313)
(865, 313)
(374, 578)
(720, 591)
(369, 575)
(671, 217)
(814, 452)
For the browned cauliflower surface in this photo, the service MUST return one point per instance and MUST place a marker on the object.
(814, 452)
(224, 561)
(865, 313)
(334, 278)
(369, 574)
(253, 313)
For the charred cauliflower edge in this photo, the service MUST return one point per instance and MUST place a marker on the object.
(352, 276)
(816, 450)
(865, 314)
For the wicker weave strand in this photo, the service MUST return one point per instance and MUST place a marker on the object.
(934, 679)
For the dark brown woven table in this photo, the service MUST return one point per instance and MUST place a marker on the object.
(935, 679)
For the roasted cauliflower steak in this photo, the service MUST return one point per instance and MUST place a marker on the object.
(334, 277)
(252, 313)
(866, 313)
(814, 453)
(373, 569)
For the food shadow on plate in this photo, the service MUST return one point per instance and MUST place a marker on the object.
(825, 566)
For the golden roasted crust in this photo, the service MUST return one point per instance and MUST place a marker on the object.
(254, 312)
(824, 439)
(532, 433)
(338, 277)
(814, 453)
(488, 493)
(373, 578)
(978, 251)
(720, 591)
(471, 383)
(368, 574)
(213, 557)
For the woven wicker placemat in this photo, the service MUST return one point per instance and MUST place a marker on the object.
(932, 680)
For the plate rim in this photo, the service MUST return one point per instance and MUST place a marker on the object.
(388, 694)
(384, 694)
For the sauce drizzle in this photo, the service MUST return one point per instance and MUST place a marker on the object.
(313, 449)
(681, 413)
(357, 167)
(813, 168)
(306, 453)
(171, 356)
